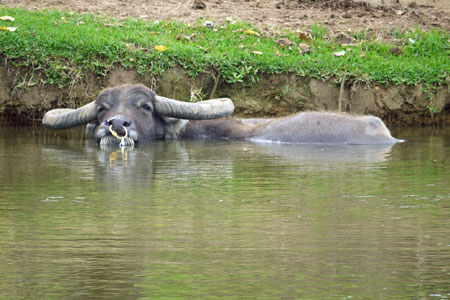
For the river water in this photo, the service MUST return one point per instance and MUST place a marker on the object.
(224, 219)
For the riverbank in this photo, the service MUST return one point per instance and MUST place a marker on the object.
(63, 59)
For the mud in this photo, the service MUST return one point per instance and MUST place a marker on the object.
(271, 96)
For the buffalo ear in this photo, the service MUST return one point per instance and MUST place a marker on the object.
(174, 127)
(89, 132)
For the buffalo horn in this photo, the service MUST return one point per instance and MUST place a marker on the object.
(64, 118)
(209, 109)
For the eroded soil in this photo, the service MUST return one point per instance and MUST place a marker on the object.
(377, 16)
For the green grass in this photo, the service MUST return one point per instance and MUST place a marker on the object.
(64, 46)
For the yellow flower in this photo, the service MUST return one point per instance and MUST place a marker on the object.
(161, 48)
(251, 32)
(7, 28)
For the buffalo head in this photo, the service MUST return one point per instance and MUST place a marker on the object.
(135, 114)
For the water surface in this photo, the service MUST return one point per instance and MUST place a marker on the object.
(224, 219)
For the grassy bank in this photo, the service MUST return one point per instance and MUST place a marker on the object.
(64, 46)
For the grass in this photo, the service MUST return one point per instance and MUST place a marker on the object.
(64, 46)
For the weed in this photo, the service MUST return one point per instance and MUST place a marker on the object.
(285, 91)
(432, 109)
(318, 32)
(196, 94)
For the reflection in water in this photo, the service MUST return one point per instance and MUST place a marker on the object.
(187, 161)
(114, 157)
(223, 219)
(329, 153)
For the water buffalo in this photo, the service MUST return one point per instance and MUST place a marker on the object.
(134, 114)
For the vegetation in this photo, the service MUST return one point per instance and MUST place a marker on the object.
(64, 46)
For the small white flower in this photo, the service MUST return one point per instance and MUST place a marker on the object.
(208, 24)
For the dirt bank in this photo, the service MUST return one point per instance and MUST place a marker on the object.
(272, 95)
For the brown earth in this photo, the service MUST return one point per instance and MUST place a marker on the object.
(378, 16)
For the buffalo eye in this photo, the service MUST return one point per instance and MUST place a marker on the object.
(146, 107)
(101, 109)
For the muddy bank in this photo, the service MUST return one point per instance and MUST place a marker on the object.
(24, 99)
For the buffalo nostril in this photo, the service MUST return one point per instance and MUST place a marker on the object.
(109, 121)
(126, 123)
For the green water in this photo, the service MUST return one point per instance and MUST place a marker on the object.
(224, 219)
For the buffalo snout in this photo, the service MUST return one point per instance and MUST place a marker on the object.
(112, 130)
(119, 124)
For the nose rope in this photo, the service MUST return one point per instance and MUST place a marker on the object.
(121, 138)
(116, 135)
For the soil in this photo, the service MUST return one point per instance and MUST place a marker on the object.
(379, 17)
